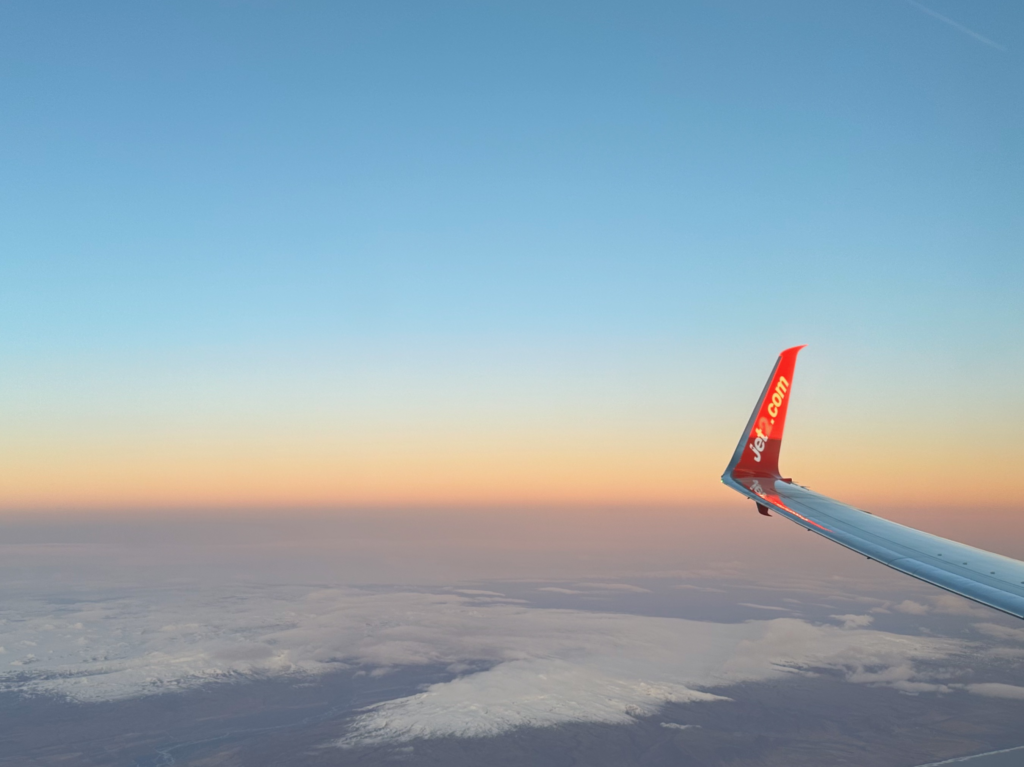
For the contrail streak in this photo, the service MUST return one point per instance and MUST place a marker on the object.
(955, 25)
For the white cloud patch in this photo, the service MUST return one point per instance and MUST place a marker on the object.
(539, 666)
(558, 590)
(951, 604)
(1000, 632)
(997, 690)
(910, 607)
(691, 587)
(597, 667)
(915, 688)
(854, 621)
(529, 692)
(624, 587)
(764, 607)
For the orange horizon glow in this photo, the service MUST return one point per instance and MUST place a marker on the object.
(561, 472)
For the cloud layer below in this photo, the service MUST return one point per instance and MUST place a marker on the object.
(514, 665)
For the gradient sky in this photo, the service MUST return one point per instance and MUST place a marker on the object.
(406, 253)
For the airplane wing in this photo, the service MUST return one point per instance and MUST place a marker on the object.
(988, 578)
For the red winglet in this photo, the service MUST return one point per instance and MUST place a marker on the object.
(758, 451)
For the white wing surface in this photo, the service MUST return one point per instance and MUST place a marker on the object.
(988, 578)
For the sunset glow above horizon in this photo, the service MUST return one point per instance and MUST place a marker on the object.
(494, 255)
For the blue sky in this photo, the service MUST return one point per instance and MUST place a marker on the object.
(507, 201)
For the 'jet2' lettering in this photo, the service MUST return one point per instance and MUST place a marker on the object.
(764, 426)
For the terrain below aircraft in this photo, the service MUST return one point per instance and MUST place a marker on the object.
(988, 578)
